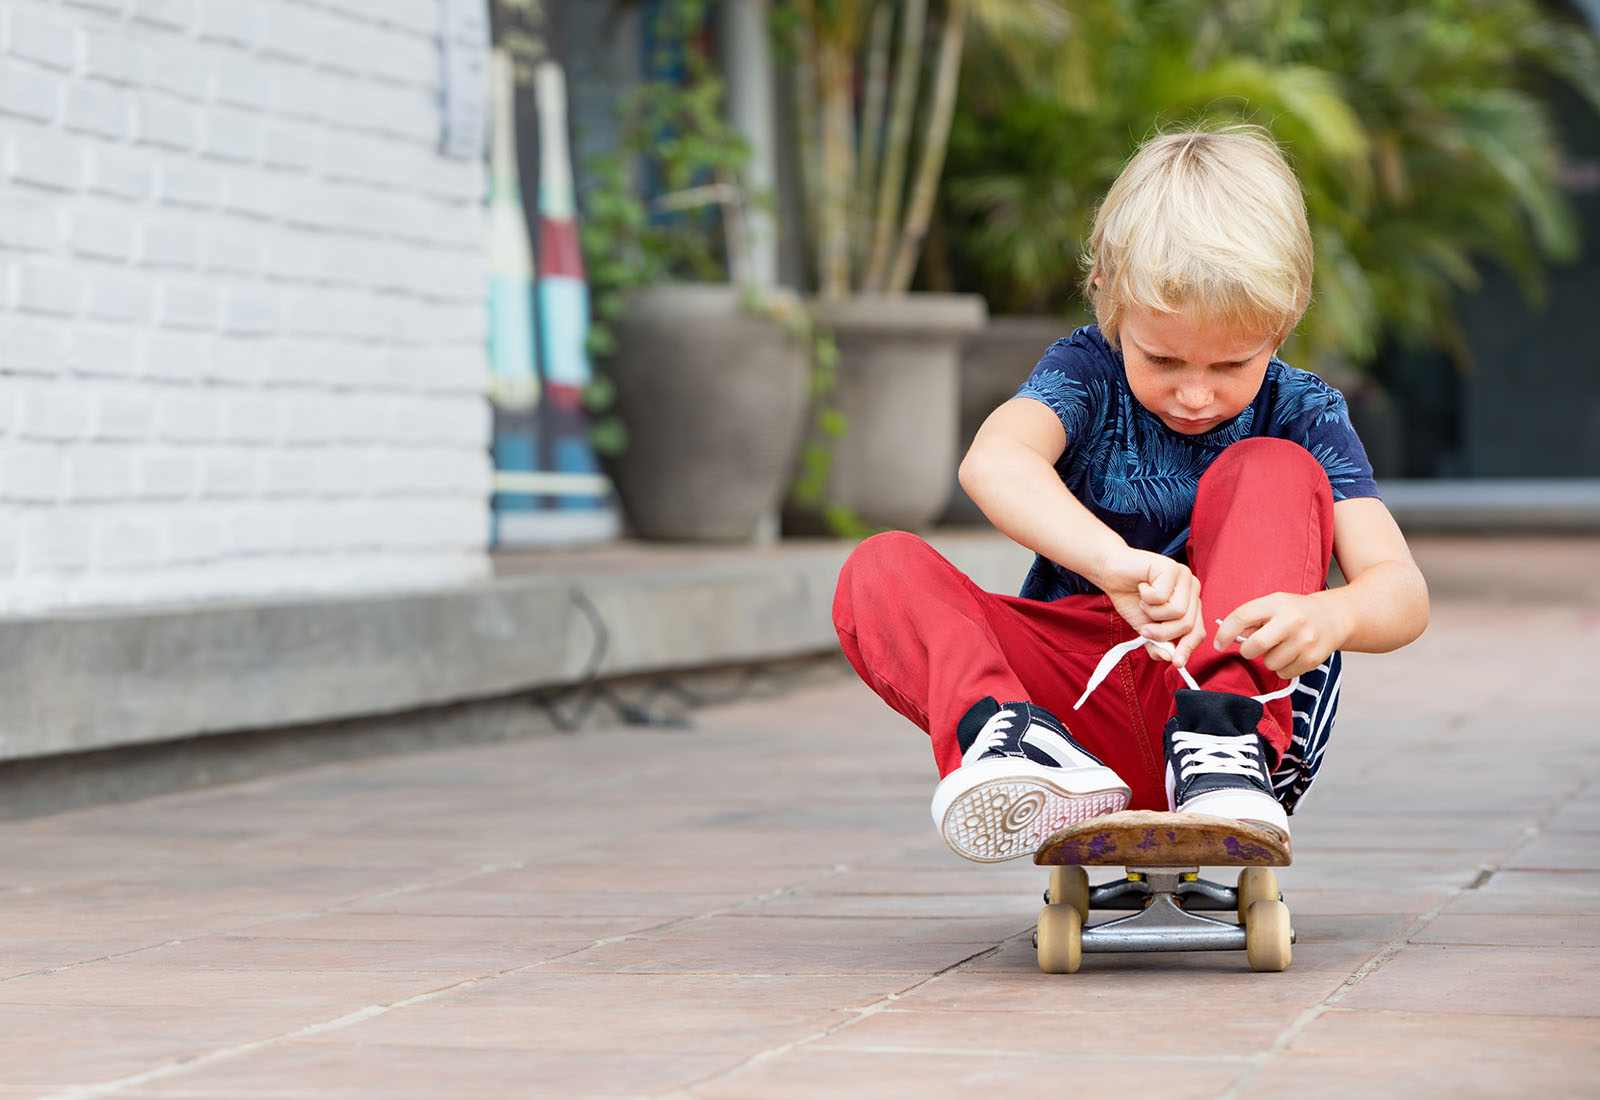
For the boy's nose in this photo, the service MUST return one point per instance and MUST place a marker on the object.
(1194, 399)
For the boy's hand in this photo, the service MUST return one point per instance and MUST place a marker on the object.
(1159, 597)
(1292, 633)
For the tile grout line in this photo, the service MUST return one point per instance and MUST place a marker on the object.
(1063, 1055)
(863, 1013)
(297, 914)
(107, 1088)
(396, 891)
(873, 1009)
(1395, 946)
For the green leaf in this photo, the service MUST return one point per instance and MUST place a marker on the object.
(600, 394)
(846, 524)
(609, 436)
(599, 342)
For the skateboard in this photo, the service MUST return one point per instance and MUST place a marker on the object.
(1163, 854)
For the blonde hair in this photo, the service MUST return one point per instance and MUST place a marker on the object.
(1211, 223)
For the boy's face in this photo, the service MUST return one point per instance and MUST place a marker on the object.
(1191, 374)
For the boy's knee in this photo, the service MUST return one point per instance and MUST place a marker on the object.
(1265, 450)
(889, 553)
(880, 567)
(1281, 463)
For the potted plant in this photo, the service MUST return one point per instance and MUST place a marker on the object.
(875, 104)
(1421, 150)
(700, 397)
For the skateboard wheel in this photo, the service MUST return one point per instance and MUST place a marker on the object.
(1060, 939)
(1267, 936)
(1069, 886)
(1256, 884)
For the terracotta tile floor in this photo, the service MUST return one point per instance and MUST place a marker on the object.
(758, 907)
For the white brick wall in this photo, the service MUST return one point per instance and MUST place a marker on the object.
(241, 305)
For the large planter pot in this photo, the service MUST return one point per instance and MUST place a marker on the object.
(898, 388)
(714, 398)
(995, 362)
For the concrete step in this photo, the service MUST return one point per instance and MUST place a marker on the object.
(77, 683)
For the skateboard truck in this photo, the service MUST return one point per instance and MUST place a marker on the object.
(1168, 903)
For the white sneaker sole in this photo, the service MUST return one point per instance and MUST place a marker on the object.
(1239, 805)
(995, 810)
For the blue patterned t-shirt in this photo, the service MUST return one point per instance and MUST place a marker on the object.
(1139, 476)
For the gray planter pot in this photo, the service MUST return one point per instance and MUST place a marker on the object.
(714, 399)
(995, 362)
(899, 382)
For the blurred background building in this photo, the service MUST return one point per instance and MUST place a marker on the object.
(244, 323)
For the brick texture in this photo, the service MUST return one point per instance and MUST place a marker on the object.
(241, 305)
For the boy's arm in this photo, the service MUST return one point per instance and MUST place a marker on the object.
(1009, 473)
(1382, 606)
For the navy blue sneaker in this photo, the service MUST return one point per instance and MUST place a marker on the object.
(1217, 762)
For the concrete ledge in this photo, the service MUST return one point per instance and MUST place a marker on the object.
(51, 784)
(96, 681)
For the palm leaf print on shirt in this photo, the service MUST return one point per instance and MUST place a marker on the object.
(1297, 389)
(1154, 476)
(1336, 412)
(1236, 429)
(1341, 469)
(1303, 394)
(1071, 399)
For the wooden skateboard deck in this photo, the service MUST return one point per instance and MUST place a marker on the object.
(1150, 838)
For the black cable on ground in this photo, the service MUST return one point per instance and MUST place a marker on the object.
(753, 681)
(585, 690)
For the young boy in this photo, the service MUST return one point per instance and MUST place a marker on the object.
(1183, 490)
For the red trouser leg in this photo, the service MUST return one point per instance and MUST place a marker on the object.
(917, 631)
(931, 643)
(1262, 523)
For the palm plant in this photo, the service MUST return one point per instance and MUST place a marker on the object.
(1465, 160)
(868, 202)
(1421, 146)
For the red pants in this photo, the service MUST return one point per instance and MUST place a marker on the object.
(931, 643)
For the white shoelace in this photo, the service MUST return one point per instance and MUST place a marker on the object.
(994, 732)
(1221, 754)
(1117, 652)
